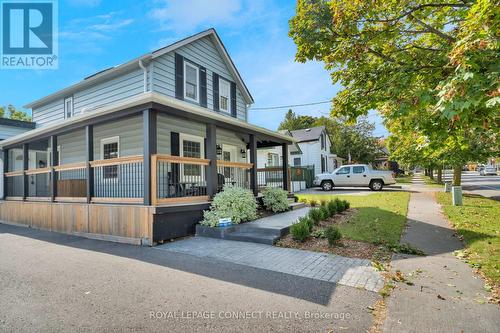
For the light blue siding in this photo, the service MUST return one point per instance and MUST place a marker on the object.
(128, 130)
(49, 112)
(204, 53)
(10, 131)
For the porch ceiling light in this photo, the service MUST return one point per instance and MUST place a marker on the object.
(243, 153)
(219, 150)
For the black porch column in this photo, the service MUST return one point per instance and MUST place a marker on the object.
(89, 157)
(5, 159)
(150, 137)
(25, 167)
(54, 160)
(211, 153)
(253, 159)
(284, 149)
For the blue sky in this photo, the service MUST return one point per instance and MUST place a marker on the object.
(96, 34)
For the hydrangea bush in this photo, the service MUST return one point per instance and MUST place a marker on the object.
(275, 199)
(235, 202)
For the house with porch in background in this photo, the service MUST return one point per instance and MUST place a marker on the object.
(135, 153)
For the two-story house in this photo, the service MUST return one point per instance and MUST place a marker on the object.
(312, 148)
(134, 153)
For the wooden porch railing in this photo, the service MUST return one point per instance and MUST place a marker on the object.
(271, 177)
(14, 185)
(177, 179)
(71, 182)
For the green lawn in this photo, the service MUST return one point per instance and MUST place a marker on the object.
(404, 180)
(432, 182)
(478, 221)
(380, 218)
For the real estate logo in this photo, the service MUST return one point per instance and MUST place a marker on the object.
(29, 34)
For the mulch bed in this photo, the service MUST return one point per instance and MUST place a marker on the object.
(346, 247)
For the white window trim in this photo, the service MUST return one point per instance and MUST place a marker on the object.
(66, 100)
(221, 79)
(194, 138)
(104, 141)
(197, 99)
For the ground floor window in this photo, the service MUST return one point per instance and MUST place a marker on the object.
(110, 148)
(273, 159)
(296, 161)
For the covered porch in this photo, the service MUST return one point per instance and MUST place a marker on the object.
(153, 155)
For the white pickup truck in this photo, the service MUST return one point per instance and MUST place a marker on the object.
(355, 175)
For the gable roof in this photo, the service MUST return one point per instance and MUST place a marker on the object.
(308, 134)
(146, 58)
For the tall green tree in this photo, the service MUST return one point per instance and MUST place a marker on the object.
(14, 113)
(352, 140)
(434, 58)
(293, 121)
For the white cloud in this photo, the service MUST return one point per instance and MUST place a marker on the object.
(91, 31)
(190, 14)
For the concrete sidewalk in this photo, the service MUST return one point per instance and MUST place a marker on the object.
(446, 296)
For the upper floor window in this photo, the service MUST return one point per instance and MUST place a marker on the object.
(191, 82)
(224, 95)
(68, 107)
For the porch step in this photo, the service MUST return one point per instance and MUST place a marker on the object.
(297, 205)
(252, 236)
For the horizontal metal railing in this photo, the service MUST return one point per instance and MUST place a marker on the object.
(178, 179)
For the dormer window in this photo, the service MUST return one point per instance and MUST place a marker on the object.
(224, 95)
(191, 82)
(68, 107)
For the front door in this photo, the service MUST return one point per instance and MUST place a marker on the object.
(229, 155)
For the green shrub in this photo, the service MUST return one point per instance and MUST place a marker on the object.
(300, 231)
(275, 199)
(347, 204)
(313, 203)
(340, 205)
(332, 208)
(303, 200)
(306, 220)
(319, 233)
(315, 215)
(333, 235)
(323, 202)
(325, 213)
(235, 202)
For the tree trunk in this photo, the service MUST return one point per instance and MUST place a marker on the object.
(440, 175)
(426, 172)
(457, 175)
(431, 173)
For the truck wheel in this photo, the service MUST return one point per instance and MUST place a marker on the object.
(327, 185)
(376, 185)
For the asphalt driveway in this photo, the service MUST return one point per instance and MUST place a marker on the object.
(57, 283)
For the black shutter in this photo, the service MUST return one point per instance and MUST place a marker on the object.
(233, 99)
(174, 151)
(203, 87)
(179, 76)
(215, 84)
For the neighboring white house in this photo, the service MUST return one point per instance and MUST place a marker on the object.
(10, 128)
(312, 149)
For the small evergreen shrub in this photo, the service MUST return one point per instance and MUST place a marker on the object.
(325, 213)
(323, 202)
(332, 208)
(308, 221)
(303, 200)
(300, 231)
(333, 235)
(313, 203)
(347, 204)
(315, 215)
(275, 199)
(340, 205)
(235, 202)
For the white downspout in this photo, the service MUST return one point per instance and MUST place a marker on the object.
(141, 65)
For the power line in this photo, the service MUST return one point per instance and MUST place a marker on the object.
(290, 106)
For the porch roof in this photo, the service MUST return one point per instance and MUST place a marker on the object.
(146, 100)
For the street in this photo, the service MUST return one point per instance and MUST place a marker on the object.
(473, 183)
